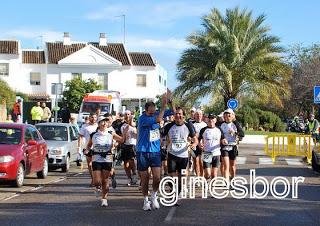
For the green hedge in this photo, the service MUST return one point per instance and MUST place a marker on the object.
(258, 119)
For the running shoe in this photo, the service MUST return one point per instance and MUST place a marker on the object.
(146, 206)
(129, 182)
(104, 202)
(155, 203)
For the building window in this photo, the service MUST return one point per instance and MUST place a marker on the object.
(4, 69)
(76, 75)
(160, 79)
(165, 83)
(35, 78)
(103, 80)
(141, 80)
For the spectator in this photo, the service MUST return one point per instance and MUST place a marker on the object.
(16, 110)
(9, 119)
(65, 114)
(46, 113)
(36, 113)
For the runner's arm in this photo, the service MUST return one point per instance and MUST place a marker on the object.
(163, 107)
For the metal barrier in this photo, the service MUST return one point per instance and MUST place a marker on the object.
(288, 145)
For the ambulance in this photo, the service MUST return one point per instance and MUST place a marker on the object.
(106, 100)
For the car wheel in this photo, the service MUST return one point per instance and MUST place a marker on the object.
(66, 167)
(44, 172)
(18, 182)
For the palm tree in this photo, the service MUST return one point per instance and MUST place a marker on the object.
(234, 56)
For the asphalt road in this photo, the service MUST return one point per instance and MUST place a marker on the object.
(67, 200)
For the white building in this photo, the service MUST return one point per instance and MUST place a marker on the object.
(135, 75)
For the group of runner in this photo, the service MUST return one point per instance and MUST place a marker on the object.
(160, 146)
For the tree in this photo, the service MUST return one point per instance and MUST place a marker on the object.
(6, 94)
(305, 62)
(234, 56)
(75, 91)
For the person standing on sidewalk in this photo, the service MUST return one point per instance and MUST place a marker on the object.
(148, 151)
(36, 113)
(46, 113)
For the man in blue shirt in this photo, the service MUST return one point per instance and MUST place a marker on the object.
(148, 151)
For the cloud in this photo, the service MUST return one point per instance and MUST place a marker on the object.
(149, 13)
(33, 33)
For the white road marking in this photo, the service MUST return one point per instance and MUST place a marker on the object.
(294, 162)
(241, 160)
(11, 197)
(170, 214)
(36, 188)
(265, 161)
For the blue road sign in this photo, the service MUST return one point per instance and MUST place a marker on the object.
(316, 94)
(233, 104)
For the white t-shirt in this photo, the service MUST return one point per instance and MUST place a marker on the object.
(229, 131)
(85, 131)
(211, 139)
(177, 143)
(102, 142)
(199, 125)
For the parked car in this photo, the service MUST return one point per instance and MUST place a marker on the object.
(23, 151)
(62, 142)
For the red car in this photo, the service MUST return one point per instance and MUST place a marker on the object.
(23, 151)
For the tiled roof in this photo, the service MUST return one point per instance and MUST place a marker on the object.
(38, 96)
(33, 57)
(9, 47)
(58, 51)
(116, 50)
(141, 59)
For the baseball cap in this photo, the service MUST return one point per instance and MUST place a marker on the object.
(102, 118)
(211, 116)
(193, 109)
(229, 110)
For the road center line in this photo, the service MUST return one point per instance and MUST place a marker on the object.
(11, 197)
(170, 214)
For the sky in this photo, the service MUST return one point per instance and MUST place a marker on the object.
(159, 27)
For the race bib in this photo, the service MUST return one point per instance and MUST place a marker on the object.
(207, 157)
(154, 135)
(178, 146)
(227, 148)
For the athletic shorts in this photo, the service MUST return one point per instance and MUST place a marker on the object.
(128, 152)
(210, 161)
(176, 163)
(99, 166)
(164, 154)
(232, 153)
(148, 159)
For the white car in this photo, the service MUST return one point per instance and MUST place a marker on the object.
(61, 139)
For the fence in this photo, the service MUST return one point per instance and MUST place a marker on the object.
(289, 145)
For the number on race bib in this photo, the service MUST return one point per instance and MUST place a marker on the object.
(154, 135)
(207, 157)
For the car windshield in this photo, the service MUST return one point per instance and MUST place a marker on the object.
(10, 135)
(58, 133)
(93, 106)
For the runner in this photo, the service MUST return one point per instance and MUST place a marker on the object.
(164, 153)
(210, 138)
(101, 142)
(178, 133)
(84, 134)
(198, 125)
(148, 151)
(232, 132)
(128, 149)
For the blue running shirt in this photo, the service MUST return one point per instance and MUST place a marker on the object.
(148, 134)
